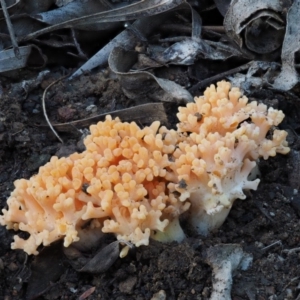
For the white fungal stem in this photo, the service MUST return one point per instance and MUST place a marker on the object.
(224, 260)
(173, 232)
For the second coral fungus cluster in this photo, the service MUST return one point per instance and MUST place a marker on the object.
(136, 182)
(224, 135)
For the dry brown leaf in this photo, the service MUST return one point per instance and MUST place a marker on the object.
(87, 293)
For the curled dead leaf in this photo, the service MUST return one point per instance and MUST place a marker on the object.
(142, 84)
(257, 27)
(103, 260)
(291, 44)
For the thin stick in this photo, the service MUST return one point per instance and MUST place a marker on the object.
(219, 29)
(217, 77)
(44, 106)
(80, 52)
(289, 283)
(273, 244)
(10, 29)
(290, 251)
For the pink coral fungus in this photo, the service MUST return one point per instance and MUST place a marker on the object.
(136, 182)
(224, 135)
(119, 182)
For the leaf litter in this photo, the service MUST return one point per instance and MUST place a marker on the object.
(139, 60)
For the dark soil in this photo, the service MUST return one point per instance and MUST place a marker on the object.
(266, 224)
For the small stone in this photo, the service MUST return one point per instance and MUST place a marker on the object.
(270, 290)
(161, 295)
(17, 126)
(206, 292)
(72, 253)
(28, 106)
(259, 244)
(91, 108)
(65, 151)
(127, 285)
(22, 138)
(289, 294)
(12, 267)
(36, 160)
(66, 113)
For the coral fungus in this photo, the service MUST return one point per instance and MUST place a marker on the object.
(136, 182)
(223, 136)
(119, 182)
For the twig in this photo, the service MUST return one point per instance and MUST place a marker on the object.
(44, 106)
(136, 32)
(79, 50)
(263, 211)
(273, 244)
(171, 286)
(107, 4)
(290, 251)
(173, 39)
(10, 29)
(17, 132)
(178, 28)
(20, 272)
(219, 29)
(144, 113)
(217, 77)
(289, 283)
(211, 7)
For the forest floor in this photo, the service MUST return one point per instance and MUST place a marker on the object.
(266, 224)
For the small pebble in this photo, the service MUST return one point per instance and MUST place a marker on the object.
(65, 150)
(259, 244)
(66, 113)
(91, 108)
(12, 267)
(161, 295)
(127, 285)
(289, 294)
(206, 292)
(36, 160)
